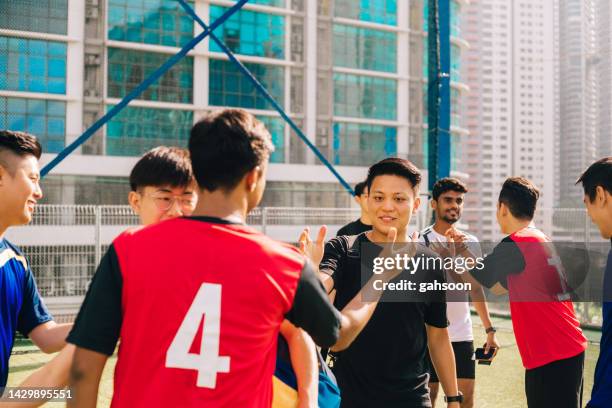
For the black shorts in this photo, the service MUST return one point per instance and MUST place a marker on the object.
(557, 384)
(466, 367)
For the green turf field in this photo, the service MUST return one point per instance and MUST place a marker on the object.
(500, 385)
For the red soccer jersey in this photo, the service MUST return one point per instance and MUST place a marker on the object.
(546, 330)
(201, 303)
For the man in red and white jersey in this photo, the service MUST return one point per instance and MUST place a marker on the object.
(525, 265)
(198, 301)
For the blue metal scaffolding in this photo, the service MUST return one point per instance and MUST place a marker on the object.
(439, 90)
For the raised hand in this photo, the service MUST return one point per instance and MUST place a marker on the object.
(313, 250)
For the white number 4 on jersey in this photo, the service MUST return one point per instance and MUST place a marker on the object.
(207, 305)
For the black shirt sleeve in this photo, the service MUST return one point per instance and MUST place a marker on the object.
(435, 315)
(505, 260)
(331, 264)
(312, 310)
(98, 323)
(344, 230)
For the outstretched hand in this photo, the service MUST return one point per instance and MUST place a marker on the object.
(313, 249)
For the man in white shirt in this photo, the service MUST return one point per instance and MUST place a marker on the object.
(447, 204)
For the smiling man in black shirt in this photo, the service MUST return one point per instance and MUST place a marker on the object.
(385, 366)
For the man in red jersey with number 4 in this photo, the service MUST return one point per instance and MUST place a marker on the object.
(198, 301)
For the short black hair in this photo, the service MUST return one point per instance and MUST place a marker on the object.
(226, 145)
(396, 167)
(360, 188)
(598, 174)
(20, 143)
(447, 184)
(162, 166)
(520, 196)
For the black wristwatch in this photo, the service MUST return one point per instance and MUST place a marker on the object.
(491, 330)
(456, 398)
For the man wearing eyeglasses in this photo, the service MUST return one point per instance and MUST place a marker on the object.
(162, 185)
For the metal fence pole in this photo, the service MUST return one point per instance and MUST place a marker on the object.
(98, 235)
(264, 219)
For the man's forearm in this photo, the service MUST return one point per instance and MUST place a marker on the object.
(54, 374)
(58, 335)
(443, 358)
(50, 337)
(302, 351)
(357, 314)
(478, 300)
(85, 374)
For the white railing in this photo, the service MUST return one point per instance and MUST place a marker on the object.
(64, 243)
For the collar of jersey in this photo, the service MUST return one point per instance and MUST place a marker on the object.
(213, 220)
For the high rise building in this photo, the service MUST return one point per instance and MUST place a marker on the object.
(604, 58)
(578, 95)
(349, 74)
(509, 110)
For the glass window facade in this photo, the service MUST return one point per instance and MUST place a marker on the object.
(364, 48)
(362, 96)
(455, 153)
(455, 107)
(374, 11)
(273, 3)
(229, 87)
(276, 127)
(455, 19)
(43, 16)
(455, 63)
(162, 22)
(361, 144)
(32, 65)
(128, 68)
(135, 130)
(250, 33)
(43, 118)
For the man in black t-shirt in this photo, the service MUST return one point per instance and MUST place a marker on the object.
(385, 364)
(363, 223)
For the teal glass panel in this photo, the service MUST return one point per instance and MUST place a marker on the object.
(32, 65)
(276, 127)
(135, 130)
(162, 22)
(229, 87)
(128, 68)
(362, 96)
(364, 48)
(455, 107)
(43, 118)
(455, 153)
(250, 33)
(43, 16)
(455, 18)
(455, 62)
(374, 11)
(273, 3)
(362, 144)
(425, 148)
(425, 58)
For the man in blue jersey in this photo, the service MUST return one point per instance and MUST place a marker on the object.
(21, 307)
(597, 183)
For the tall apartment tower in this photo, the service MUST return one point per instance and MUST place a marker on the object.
(509, 109)
(604, 24)
(579, 68)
